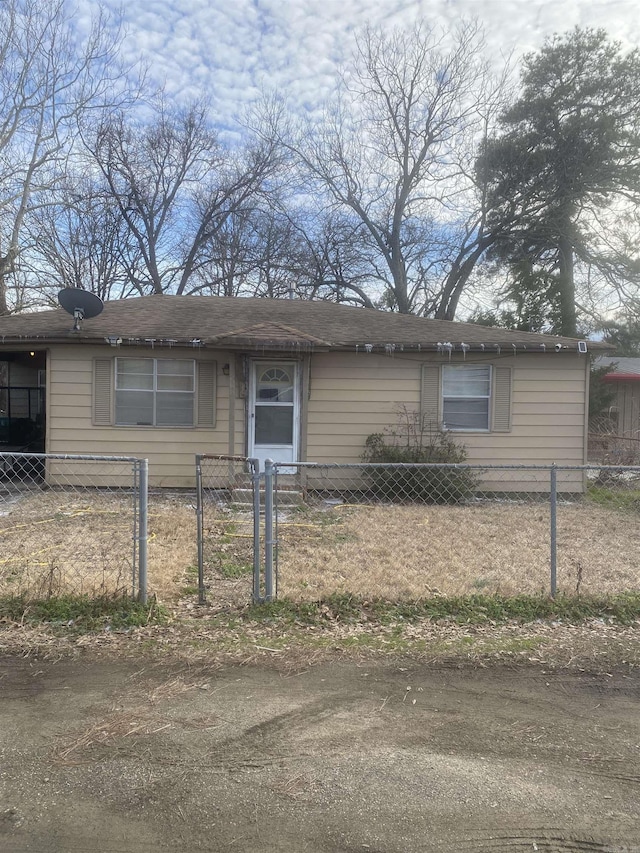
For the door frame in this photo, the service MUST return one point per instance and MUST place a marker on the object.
(254, 364)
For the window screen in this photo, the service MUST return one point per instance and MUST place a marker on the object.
(155, 392)
(466, 392)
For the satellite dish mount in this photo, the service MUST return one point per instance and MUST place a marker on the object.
(81, 304)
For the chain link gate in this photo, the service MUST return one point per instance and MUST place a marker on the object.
(228, 499)
(73, 524)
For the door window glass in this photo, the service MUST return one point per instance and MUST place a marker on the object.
(274, 425)
(274, 385)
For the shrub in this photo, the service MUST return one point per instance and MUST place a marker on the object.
(418, 442)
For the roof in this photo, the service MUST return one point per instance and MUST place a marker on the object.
(622, 369)
(241, 323)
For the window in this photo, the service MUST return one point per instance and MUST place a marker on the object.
(466, 393)
(155, 392)
(275, 385)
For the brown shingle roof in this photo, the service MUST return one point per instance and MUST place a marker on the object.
(266, 323)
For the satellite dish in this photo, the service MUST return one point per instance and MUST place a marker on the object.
(81, 304)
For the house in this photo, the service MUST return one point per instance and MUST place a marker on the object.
(166, 377)
(624, 380)
(615, 435)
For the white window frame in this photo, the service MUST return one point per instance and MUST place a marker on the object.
(488, 397)
(154, 391)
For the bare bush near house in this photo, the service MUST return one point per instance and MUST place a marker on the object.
(408, 552)
(609, 446)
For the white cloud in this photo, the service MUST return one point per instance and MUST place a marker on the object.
(230, 51)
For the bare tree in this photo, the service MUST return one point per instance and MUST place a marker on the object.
(395, 152)
(333, 259)
(51, 81)
(81, 240)
(256, 252)
(175, 185)
(230, 255)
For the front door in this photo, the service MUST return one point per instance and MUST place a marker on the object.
(274, 411)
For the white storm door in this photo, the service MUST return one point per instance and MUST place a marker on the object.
(274, 411)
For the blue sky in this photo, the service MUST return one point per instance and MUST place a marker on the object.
(231, 49)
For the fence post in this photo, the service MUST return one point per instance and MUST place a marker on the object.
(143, 530)
(553, 556)
(199, 529)
(255, 479)
(136, 527)
(268, 530)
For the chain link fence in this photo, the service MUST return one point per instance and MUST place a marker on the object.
(72, 525)
(78, 524)
(609, 445)
(228, 529)
(402, 531)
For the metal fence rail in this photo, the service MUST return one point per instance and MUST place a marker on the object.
(228, 528)
(410, 531)
(73, 524)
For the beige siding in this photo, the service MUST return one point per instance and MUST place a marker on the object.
(348, 396)
(170, 451)
(353, 395)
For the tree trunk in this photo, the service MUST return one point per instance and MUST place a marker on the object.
(458, 277)
(4, 308)
(400, 289)
(6, 268)
(566, 285)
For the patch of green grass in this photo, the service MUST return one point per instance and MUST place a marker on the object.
(468, 609)
(345, 608)
(81, 612)
(620, 498)
(232, 568)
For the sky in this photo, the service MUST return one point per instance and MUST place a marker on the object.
(231, 50)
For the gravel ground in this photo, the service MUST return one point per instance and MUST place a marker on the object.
(495, 739)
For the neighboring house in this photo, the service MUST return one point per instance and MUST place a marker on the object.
(166, 377)
(622, 418)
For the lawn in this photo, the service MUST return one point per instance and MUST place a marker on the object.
(82, 542)
(407, 552)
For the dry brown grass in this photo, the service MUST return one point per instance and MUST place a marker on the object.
(81, 542)
(173, 556)
(77, 542)
(408, 552)
(66, 541)
(57, 541)
(172, 548)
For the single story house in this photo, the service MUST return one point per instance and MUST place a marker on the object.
(166, 377)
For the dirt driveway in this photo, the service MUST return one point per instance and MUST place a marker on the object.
(106, 756)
